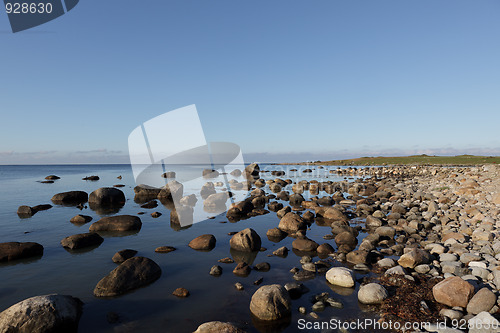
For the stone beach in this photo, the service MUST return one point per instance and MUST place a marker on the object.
(427, 233)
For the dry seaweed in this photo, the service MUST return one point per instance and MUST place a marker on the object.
(410, 301)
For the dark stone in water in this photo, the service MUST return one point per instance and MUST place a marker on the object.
(70, 198)
(123, 255)
(80, 241)
(133, 273)
(92, 178)
(16, 250)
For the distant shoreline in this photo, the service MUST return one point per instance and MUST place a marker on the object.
(408, 160)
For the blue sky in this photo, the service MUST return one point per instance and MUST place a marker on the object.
(287, 80)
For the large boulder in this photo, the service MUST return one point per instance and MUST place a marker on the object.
(16, 250)
(218, 327)
(117, 223)
(203, 243)
(246, 240)
(40, 314)
(70, 198)
(340, 276)
(453, 291)
(271, 302)
(292, 222)
(107, 196)
(80, 241)
(372, 293)
(133, 273)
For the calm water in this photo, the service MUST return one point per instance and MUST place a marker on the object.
(153, 308)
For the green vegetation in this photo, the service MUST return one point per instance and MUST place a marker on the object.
(416, 160)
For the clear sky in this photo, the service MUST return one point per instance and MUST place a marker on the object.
(286, 80)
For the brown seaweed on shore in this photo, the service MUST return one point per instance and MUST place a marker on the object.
(410, 301)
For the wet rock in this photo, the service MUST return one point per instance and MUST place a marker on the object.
(271, 302)
(80, 241)
(291, 223)
(388, 232)
(276, 233)
(262, 267)
(181, 292)
(346, 238)
(483, 300)
(117, 223)
(168, 174)
(165, 249)
(295, 290)
(216, 270)
(203, 243)
(239, 286)
(123, 255)
(81, 219)
(332, 213)
(246, 240)
(357, 257)
(373, 222)
(15, 250)
(52, 177)
(133, 273)
(325, 249)
(150, 204)
(172, 191)
(107, 196)
(453, 291)
(340, 276)
(281, 252)
(218, 327)
(304, 244)
(70, 198)
(274, 206)
(226, 260)
(372, 293)
(242, 269)
(47, 313)
(91, 178)
(296, 199)
(25, 211)
(155, 215)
